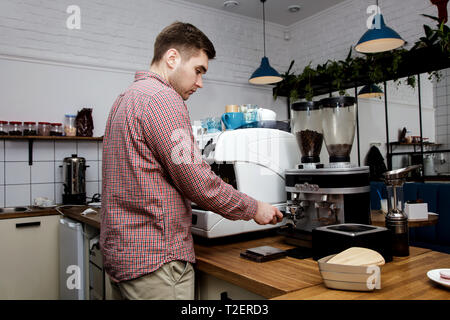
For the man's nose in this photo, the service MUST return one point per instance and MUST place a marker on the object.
(199, 82)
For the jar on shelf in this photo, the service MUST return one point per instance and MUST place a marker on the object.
(44, 128)
(56, 129)
(15, 128)
(29, 128)
(3, 128)
(69, 125)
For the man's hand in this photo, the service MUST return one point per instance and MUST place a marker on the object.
(266, 214)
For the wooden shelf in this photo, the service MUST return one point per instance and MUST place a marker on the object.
(49, 138)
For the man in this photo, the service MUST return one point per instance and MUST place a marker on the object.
(149, 182)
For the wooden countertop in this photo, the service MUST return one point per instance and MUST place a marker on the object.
(402, 279)
(34, 212)
(290, 278)
(268, 279)
(74, 212)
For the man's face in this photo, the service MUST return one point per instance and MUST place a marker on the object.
(186, 77)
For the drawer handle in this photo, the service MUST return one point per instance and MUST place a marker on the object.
(28, 224)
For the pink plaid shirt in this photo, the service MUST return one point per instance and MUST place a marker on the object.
(152, 170)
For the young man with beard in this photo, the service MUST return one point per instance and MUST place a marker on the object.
(147, 188)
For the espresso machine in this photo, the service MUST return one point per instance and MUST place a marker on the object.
(317, 194)
(253, 161)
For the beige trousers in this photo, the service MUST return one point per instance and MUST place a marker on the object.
(174, 280)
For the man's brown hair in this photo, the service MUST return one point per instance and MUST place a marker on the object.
(184, 37)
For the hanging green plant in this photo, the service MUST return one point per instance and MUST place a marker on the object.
(439, 37)
(435, 38)
(307, 76)
(373, 68)
(289, 84)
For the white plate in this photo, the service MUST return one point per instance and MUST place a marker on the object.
(433, 214)
(436, 277)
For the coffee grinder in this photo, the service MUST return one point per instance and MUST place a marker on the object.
(320, 195)
(396, 219)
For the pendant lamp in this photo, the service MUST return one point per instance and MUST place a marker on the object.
(379, 38)
(265, 74)
(370, 91)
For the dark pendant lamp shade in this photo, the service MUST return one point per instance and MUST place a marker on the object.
(380, 38)
(370, 91)
(265, 74)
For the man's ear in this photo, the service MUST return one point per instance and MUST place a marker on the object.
(172, 58)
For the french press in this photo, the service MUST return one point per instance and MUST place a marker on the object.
(396, 219)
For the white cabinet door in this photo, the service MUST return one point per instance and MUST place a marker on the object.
(29, 258)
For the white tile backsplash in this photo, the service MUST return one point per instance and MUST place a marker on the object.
(20, 183)
(2, 150)
(100, 150)
(17, 173)
(59, 190)
(16, 150)
(17, 195)
(64, 149)
(441, 130)
(2, 196)
(88, 150)
(92, 171)
(43, 151)
(58, 171)
(43, 172)
(2, 172)
(46, 190)
(91, 189)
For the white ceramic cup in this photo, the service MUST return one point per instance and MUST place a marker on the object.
(266, 114)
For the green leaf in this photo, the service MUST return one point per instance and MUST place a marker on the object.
(431, 17)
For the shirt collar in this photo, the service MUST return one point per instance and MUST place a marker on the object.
(142, 75)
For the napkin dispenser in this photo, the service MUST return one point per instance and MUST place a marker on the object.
(332, 239)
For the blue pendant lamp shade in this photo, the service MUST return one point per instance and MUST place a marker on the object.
(380, 38)
(370, 91)
(265, 74)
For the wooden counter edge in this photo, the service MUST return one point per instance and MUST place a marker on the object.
(251, 285)
(29, 214)
(89, 219)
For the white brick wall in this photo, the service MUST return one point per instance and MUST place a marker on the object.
(120, 34)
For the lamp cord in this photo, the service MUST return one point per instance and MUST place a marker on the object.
(264, 27)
